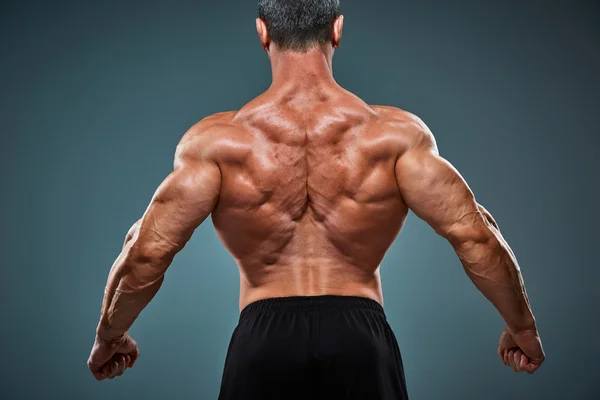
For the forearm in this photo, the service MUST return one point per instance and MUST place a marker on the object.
(132, 283)
(492, 266)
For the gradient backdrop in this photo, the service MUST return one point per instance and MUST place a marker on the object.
(95, 96)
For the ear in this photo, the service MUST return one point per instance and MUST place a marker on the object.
(263, 33)
(338, 24)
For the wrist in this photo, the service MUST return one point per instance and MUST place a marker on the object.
(105, 334)
(526, 326)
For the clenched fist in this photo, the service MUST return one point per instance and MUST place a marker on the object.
(522, 351)
(111, 358)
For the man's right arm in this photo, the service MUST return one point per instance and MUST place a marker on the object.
(435, 191)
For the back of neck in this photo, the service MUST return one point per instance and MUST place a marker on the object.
(302, 72)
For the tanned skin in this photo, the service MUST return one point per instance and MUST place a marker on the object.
(308, 186)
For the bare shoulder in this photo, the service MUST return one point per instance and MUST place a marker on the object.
(404, 126)
(205, 138)
(207, 130)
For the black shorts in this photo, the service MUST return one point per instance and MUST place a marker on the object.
(313, 347)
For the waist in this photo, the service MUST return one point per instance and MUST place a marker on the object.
(310, 303)
(322, 278)
(288, 288)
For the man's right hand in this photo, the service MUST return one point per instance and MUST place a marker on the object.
(111, 358)
(522, 351)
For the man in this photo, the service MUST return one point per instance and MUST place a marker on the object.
(308, 187)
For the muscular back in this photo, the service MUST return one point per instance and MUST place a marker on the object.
(308, 201)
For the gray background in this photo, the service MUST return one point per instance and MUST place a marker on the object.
(95, 96)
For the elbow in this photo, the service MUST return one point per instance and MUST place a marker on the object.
(474, 229)
(133, 231)
(466, 237)
(487, 217)
(143, 265)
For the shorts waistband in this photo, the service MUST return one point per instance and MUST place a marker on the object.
(304, 303)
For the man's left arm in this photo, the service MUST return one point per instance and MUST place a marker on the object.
(180, 204)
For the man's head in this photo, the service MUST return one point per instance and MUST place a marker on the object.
(299, 25)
